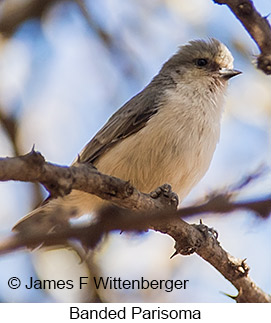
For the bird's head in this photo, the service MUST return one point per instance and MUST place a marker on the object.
(201, 59)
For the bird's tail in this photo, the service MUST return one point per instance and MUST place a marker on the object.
(54, 214)
(44, 219)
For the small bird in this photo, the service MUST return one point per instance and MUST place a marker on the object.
(167, 133)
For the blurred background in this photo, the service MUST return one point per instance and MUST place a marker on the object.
(65, 67)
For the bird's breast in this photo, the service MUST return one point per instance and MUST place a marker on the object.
(174, 147)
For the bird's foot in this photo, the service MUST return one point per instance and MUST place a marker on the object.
(166, 195)
(189, 245)
(206, 230)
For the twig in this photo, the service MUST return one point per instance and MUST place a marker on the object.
(104, 36)
(13, 15)
(257, 26)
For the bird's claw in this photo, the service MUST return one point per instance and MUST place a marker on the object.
(165, 192)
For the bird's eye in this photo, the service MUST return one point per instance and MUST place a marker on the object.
(201, 62)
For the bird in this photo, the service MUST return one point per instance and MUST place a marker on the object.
(167, 133)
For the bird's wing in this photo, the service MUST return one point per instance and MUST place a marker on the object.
(130, 118)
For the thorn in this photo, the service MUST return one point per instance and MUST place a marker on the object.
(78, 158)
(33, 148)
(245, 266)
(174, 254)
(230, 296)
(200, 221)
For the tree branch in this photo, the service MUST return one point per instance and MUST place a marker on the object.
(60, 180)
(154, 214)
(257, 26)
(189, 239)
(14, 14)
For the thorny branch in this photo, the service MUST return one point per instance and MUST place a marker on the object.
(257, 26)
(155, 214)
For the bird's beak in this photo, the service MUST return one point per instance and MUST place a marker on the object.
(227, 73)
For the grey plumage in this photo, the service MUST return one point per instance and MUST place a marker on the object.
(167, 133)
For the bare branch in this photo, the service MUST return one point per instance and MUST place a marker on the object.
(13, 15)
(104, 36)
(60, 180)
(257, 26)
(154, 214)
(189, 239)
